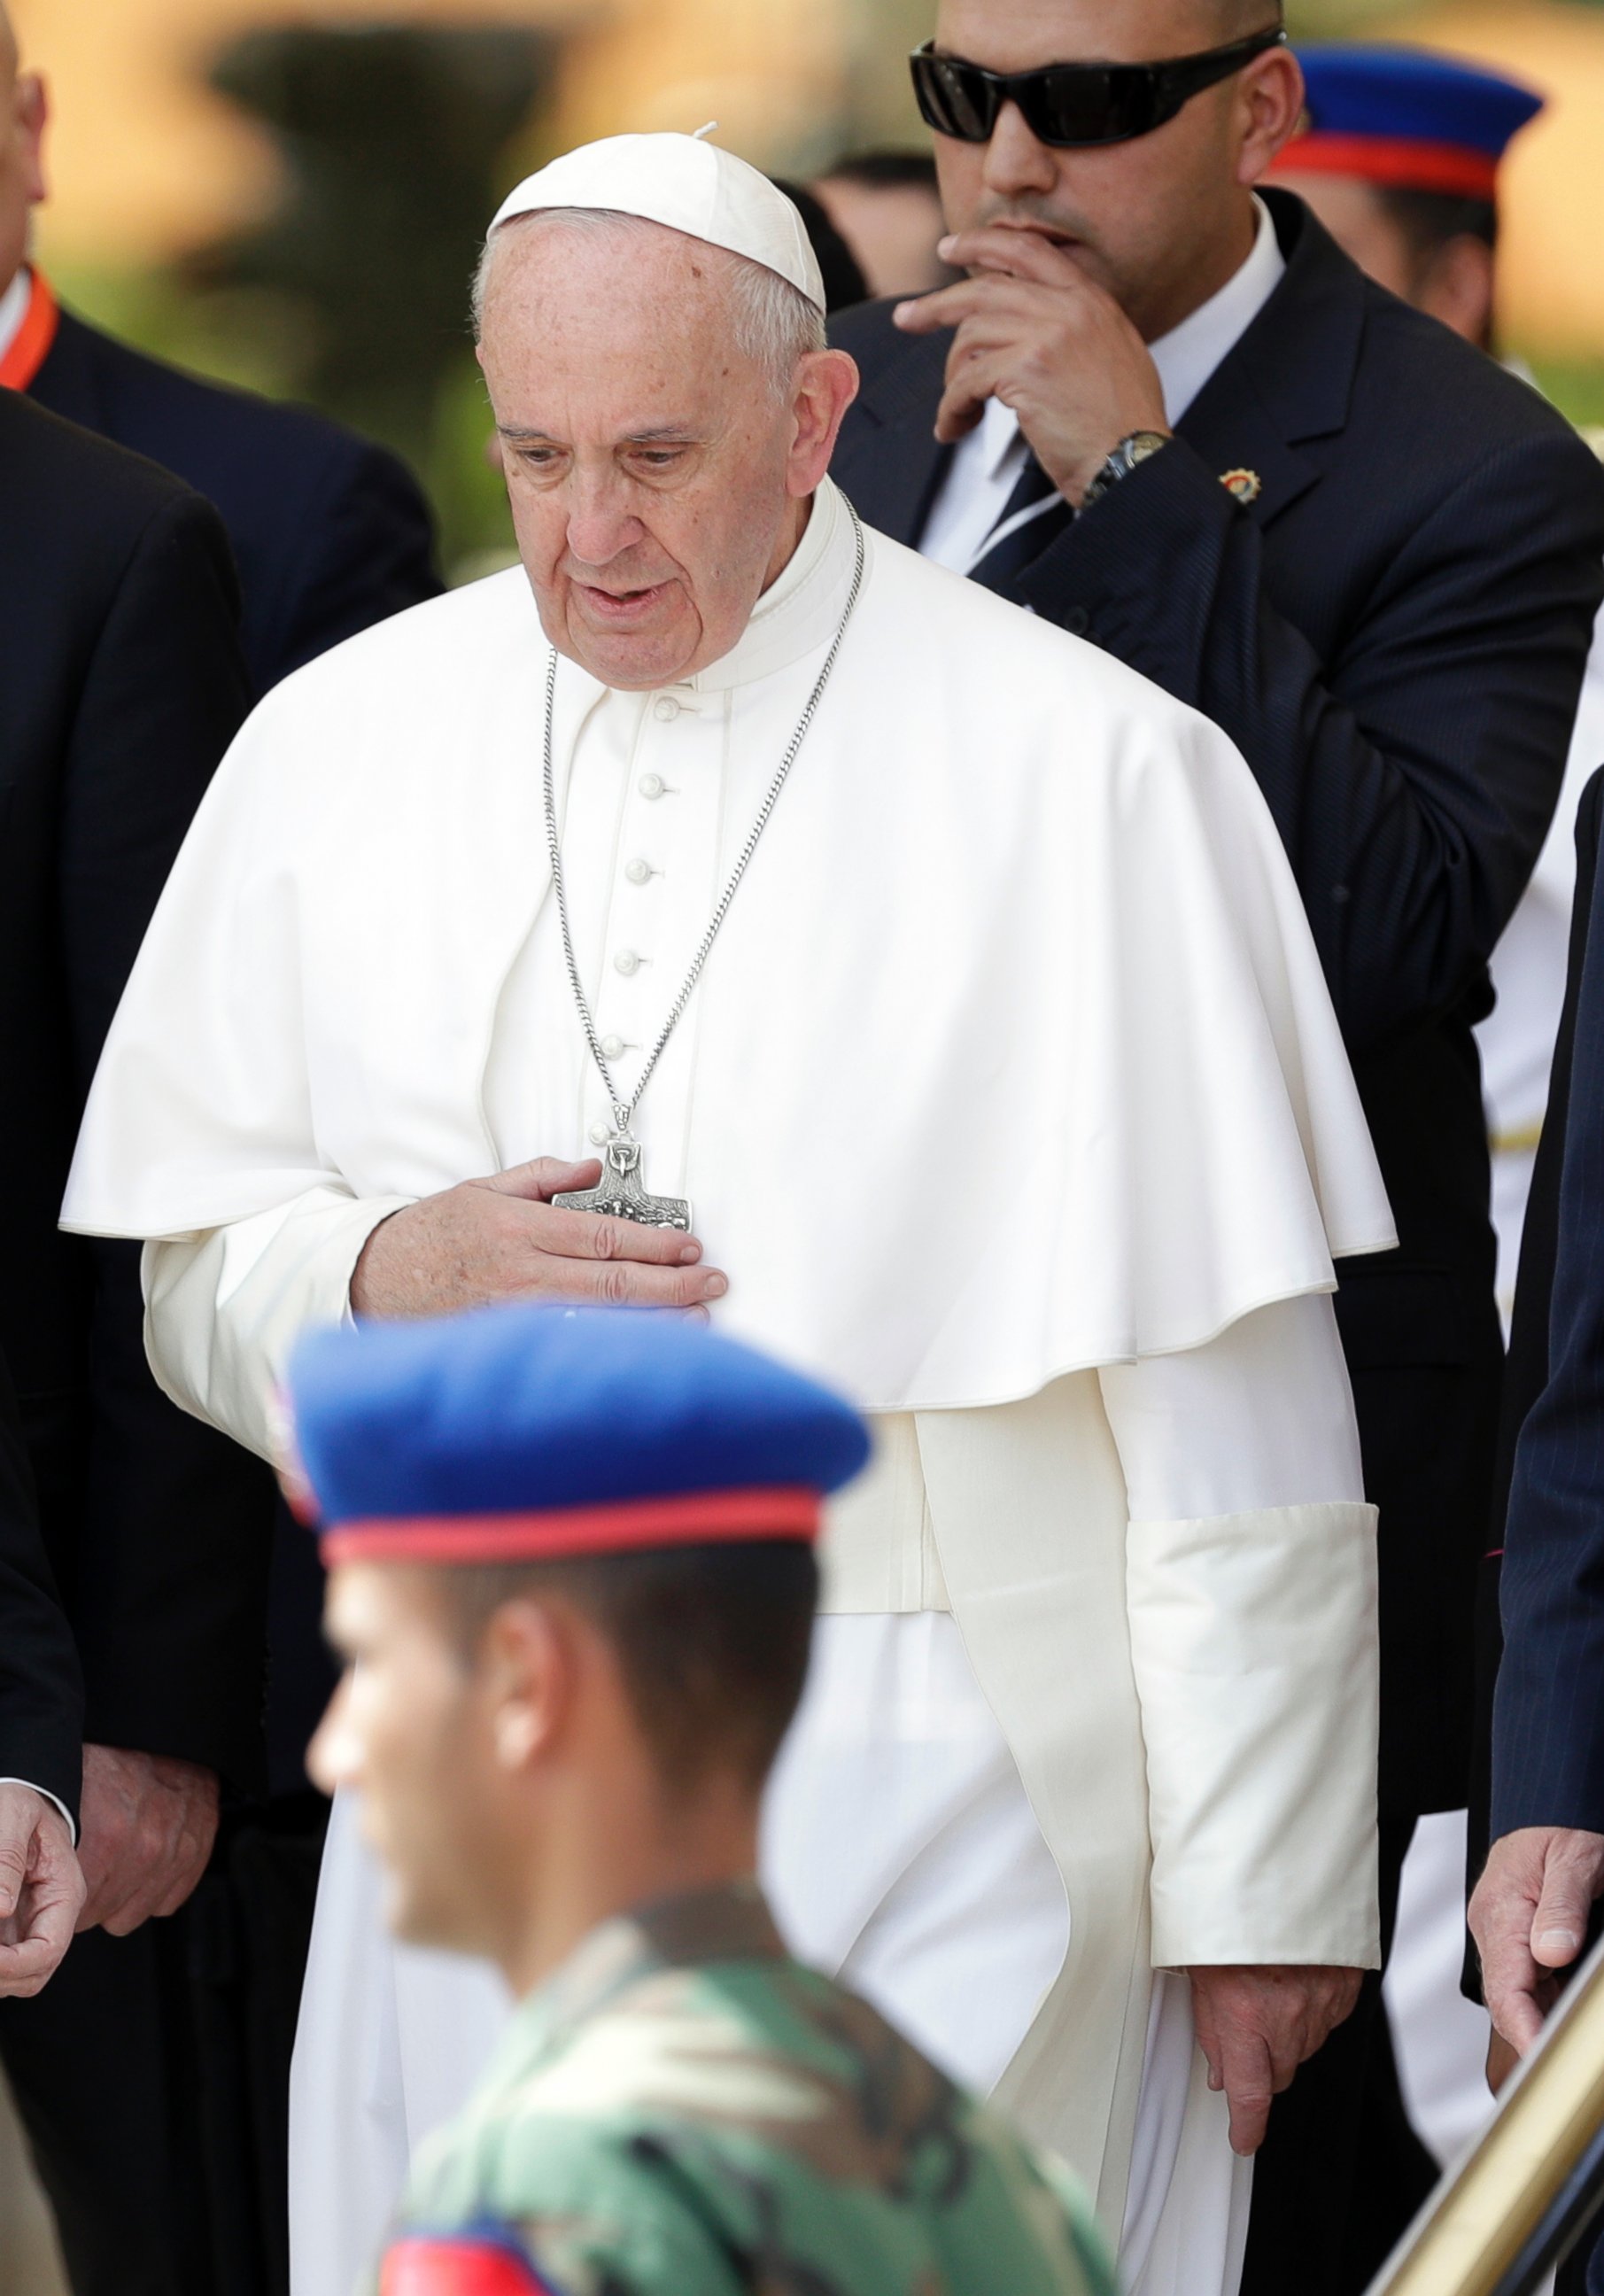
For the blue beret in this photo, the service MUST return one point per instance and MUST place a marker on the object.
(533, 1429)
(1407, 118)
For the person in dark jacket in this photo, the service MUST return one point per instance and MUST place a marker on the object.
(1534, 1906)
(1169, 415)
(330, 532)
(42, 1886)
(121, 684)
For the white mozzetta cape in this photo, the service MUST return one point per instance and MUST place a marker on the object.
(1013, 1056)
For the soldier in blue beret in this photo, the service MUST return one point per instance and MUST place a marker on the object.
(573, 1584)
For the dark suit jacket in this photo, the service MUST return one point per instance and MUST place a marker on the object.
(1394, 633)
(121, 683)
(1548, 1733)
(329, 531)
(41, 1689)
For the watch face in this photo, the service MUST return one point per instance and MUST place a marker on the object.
(1146, 443)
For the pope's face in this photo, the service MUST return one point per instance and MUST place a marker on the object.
(657, 479)
(410, 1728)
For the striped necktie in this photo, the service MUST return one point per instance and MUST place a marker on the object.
(1035, 514)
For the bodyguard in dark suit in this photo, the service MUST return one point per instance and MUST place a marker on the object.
(1533, 1905)
(121, 683)
(1374, 559)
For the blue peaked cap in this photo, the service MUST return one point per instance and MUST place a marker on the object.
(1395, 98)
(618, 1415)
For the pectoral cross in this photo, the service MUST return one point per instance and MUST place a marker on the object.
(619, 1195)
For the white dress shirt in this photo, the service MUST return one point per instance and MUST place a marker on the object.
(985, 466)
(14, 310)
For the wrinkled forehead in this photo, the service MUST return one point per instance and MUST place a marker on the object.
(559, 263)
(617, 325)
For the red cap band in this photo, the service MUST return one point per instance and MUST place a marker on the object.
(30, 345)
(689, 1519)
(1396, 163)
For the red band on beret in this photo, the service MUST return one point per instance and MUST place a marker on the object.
(460, 2266)
(29, 346)
(1396, 163)
(689, 1519)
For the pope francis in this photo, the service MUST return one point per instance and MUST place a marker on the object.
(935, 988)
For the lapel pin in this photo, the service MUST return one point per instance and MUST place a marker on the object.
(1247, 486)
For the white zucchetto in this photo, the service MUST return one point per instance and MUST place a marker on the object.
(687, 183)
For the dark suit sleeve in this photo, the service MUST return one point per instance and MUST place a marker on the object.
(41, 1691)
(1548, 1714)
(1414, 774)
(171, 1565)
(369, 554)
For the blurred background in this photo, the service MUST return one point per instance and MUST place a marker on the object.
(290, 194)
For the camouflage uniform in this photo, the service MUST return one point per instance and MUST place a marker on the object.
(684, 2111)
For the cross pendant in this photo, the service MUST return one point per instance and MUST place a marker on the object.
(619, 1195)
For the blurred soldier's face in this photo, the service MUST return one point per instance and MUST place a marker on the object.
(411, 1728)
(21, 166)
(659, 480)
(1453, 282)
(1162, 220)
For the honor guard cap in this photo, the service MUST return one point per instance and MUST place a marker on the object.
(687, 183)
(1406, 120)
(532, 1432)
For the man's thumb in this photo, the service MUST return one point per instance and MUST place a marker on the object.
(544, 1178)
(16, 1832)
(1560, 1924)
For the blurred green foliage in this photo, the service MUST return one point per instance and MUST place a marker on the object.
(258, 342)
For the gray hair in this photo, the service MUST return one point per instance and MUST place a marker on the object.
(775, 323)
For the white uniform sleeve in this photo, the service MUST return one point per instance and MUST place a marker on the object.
(1251, 1587)
(224, 1307)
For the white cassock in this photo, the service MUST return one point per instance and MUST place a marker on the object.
(1012, 1101)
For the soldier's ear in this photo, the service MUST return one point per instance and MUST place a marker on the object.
(528, 1669)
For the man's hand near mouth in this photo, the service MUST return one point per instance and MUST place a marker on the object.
(1035, 332)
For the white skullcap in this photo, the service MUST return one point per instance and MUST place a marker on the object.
(686, 183)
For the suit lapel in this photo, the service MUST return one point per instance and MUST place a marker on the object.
(1289, 379)
(891, 463)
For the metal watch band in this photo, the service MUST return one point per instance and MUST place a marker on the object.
(1138, 447)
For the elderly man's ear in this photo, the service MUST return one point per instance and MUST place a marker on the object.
(827, 383)
(33, 114)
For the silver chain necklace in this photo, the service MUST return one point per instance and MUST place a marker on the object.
(622, 1193)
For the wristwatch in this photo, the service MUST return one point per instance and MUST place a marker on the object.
(1137, 448)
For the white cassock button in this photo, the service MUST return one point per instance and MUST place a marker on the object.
(600, 1133)
(665, 709)
(638, 872)
(627, 962)
(651, 786)
(613, 1047)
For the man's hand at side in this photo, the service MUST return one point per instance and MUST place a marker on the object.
(147, 1824)
(1035, 332)
(1257, 2025)
(41, 1890)
(502, 1238)
(1529, 1916)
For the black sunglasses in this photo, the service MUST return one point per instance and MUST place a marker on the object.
(1067, 104)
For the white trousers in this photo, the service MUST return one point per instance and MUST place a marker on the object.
(900, 1853)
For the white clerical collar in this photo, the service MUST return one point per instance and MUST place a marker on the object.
(1190, 353)
(801, 609)
(14, 308)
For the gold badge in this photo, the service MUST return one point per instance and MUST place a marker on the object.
(1247, 486)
